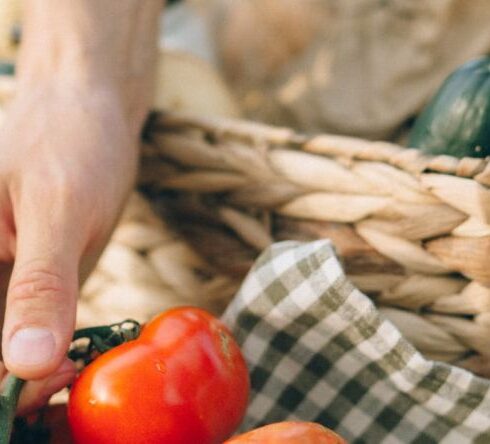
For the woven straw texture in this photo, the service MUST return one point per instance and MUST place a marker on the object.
(413, 231)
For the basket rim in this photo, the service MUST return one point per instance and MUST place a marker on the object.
(410, 160)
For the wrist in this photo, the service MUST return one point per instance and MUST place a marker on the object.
(70, 102)
(92, 45)
(60, 72)
(84, 85)
(56, 44)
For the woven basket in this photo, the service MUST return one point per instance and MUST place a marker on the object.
(412, 231)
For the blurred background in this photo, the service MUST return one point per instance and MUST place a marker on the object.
(363, 68)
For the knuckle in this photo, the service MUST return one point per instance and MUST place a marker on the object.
(63, 185)
(35, 282)
(54, 181)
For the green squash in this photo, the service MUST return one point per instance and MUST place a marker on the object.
(456, 121)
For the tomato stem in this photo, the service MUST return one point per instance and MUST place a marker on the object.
(100, 340)
(103, 330)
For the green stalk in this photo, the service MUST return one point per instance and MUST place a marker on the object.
(8, 406)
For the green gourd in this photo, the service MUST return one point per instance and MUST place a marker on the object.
(456, 121)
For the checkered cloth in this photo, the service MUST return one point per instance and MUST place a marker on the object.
(319, 350)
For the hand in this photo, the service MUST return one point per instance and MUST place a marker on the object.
(68, 155)
(68, 159)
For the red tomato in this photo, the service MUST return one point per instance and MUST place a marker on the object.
(289, 432)
(183, 381)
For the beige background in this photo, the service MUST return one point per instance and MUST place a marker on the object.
(358, 67)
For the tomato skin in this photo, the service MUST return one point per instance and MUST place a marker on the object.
(183, 381)
(289, 432)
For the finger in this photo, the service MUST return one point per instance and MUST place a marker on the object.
(41, 299)
(35, 394)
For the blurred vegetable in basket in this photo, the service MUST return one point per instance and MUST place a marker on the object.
(188, 83)
(321, 66)
(456, 121)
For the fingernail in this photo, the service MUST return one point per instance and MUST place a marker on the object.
(31, 346)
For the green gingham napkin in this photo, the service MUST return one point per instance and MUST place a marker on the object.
(318, 350)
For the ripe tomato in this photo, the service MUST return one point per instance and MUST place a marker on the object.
(289, 432)
(183, 381)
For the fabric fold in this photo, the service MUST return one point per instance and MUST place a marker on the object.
(319, 350)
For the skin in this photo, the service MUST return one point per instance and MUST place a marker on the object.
(68, 158)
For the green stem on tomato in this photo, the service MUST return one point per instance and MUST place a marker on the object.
(8, 406)
(101, 339)
(102, 331)
(108, 332)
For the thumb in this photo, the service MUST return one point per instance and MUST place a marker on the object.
(41, 299)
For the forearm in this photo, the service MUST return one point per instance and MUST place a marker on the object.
(92, 44)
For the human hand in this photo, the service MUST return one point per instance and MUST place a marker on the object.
(68, 156)
(67, 162)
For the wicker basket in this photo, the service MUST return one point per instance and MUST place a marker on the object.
(412, 231)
